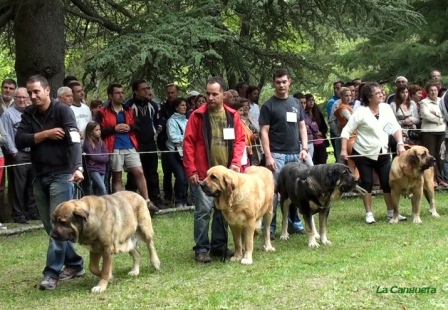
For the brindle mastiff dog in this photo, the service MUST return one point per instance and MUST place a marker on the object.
(412, 175)
(107, 225)
(312, 190)
(244, 199)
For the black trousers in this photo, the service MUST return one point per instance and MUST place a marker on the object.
(167, 177)
(150, 162)
(23, 202)
(366, 166)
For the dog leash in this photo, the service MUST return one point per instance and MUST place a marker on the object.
(78, 192)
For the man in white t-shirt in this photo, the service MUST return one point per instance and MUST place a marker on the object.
(82, 111)
(83, 116)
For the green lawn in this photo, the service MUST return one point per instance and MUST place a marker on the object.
(345, 275)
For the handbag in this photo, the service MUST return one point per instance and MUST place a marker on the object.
(413, 135)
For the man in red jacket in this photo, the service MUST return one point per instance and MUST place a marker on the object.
(214, 136)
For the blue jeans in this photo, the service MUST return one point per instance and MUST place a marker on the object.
(180, 178)
(281, 160)
(98, 185)
(203, 210)
(50, 191)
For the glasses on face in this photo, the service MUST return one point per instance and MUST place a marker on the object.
(20, 98)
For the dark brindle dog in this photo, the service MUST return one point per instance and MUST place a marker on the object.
(312, 190)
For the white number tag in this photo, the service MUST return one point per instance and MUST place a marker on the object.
(389, 128)
(228, 133)
(291, 117)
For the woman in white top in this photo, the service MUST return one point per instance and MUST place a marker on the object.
(374, 121)
(406, 113)
(433, 129)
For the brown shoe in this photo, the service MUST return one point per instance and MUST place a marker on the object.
(153, 210)
(219, 252)
(443, 183)
(202, 257)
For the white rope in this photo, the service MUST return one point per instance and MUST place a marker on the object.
(168, 151)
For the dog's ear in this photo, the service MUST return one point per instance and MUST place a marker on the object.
(333, 176)
(229, 183)
(80, 213)
(413, 159)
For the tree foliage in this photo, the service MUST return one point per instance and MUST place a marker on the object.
(188, 40)
(410, 50)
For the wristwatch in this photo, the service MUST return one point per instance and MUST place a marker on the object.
(80, 169)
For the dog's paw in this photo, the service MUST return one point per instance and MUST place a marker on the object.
(269, 249)
(417, 220)
(133, 273)
(326, 242)
(393, 220)
(246, 261)
(434, 213)
(98, 289)
(284, 236)
(235, 258)
(313, 244)
(317, 236)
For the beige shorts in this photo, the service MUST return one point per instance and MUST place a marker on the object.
(125, 160)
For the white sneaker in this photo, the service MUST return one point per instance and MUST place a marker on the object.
(400, 217)
(2, 227)
(369, 218)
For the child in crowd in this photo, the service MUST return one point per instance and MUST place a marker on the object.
(96, 157)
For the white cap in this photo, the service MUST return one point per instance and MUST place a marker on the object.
(193, 93)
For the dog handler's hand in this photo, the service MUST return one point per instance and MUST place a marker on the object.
(77, 177)
(400, 149)
(235, 168)
(194, 179)
(344, 155)
(303, 155)
(271, 164)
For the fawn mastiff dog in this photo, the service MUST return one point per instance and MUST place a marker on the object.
(312, 189)
(107, 225)
(412, 175)
(243, 198)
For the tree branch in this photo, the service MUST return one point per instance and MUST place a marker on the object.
(119, 8)
(92, 16)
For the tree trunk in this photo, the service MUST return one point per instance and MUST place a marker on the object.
(40, 41)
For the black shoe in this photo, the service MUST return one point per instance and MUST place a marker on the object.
(34, 217)
(202, 257)
(272, 236)
(219, 252)
(292, 230)
(21, 221)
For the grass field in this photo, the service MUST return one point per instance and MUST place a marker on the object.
(363, 259)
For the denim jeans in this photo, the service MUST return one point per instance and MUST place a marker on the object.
(180, 181)
(50, 191)
(203, 210)
(98, 184)
(281, 160)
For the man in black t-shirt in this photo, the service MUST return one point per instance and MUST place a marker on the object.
(282, 127)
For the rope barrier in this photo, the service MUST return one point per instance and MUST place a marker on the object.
(169, 151)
